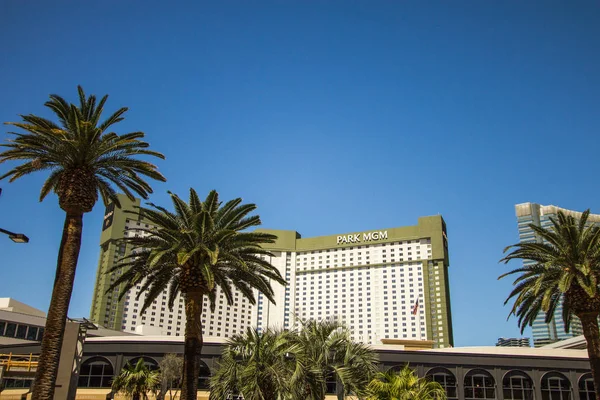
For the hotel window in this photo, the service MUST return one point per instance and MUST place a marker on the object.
(479, 384)
(586, 387)
(517, 385)
(95, 373)
(555, 386)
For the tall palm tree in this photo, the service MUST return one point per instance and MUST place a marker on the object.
(195, 250)
(329, 353)
(84, 158)
(404, 385)
(135, 381)
(564, 270)
(257, 366)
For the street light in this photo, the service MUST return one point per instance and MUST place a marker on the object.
(15, 237)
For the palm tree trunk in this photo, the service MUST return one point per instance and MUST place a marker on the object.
(45, 376)
(193, 345)
(589, 322)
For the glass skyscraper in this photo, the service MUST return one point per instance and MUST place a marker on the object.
(539, 215)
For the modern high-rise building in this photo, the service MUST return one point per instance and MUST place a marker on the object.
(513, 342)
(539, 215)
(386, 285)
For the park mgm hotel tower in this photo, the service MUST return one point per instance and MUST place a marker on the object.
(387, 285)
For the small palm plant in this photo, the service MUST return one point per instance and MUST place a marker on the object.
(200, 247)
(257, 366)
(404, 385)
(563, 269)
(329, 353)
(85, 158)
(135, 381)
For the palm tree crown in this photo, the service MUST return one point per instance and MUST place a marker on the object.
(200, 247)
(136, 380)
(404, 385)
(258, 366)
(562, 267)
(330, 353)
(565, 268)
(291, 364)
(83, 156)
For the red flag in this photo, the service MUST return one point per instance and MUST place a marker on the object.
(415, 309)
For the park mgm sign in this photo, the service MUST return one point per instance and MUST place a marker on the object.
(364, 237)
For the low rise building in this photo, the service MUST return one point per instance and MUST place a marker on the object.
(513, 342)
(504, 373)
(20, 323)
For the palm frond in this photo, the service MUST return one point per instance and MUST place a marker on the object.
(562, 267)
(79, 143)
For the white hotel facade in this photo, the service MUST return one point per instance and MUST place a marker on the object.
(387, 285)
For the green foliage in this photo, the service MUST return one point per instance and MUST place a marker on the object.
(199, 247)
(329, 351)
(404, 385)
(566, 270)
(171, 368)
(257, 365)
(81, 142)
(136, 381)
(293, 364)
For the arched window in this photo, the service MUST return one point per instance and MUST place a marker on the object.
(204, 376)
(445, 378)
(479, 384)
(586, 388)
(555, 386)
(150, 363)
(96, 372)
(517, 385)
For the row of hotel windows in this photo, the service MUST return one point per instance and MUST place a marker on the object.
(21, 331)
(351, 263)
(422, 241)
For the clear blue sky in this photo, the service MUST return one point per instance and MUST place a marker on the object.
(332, 116)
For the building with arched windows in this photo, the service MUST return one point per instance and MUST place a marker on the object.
(469, 373)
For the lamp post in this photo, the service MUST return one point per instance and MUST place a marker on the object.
(15, 237)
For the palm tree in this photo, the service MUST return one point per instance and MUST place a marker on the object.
(329, 353)
(257, 365)
(405, 385)
(564, 269)
(136, 381)
(84, 159)
(199, 248)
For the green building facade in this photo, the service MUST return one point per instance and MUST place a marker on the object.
(385, 284)
(106, 308)
(370, 279)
